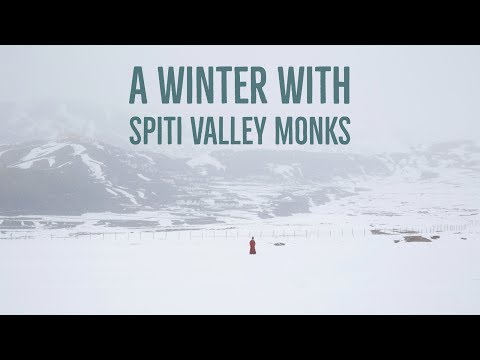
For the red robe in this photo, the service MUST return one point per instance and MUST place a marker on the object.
(252, 247)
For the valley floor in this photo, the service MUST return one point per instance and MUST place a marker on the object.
(348, 256)
(185, 274)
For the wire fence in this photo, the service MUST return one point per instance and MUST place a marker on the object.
(271, 232)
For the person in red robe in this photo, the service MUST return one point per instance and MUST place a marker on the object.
(252, 246)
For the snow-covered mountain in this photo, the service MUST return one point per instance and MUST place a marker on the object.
(73, 175)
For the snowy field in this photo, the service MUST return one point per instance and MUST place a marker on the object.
(348, 256)
(189, 275)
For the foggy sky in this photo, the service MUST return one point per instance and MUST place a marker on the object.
(399, 95)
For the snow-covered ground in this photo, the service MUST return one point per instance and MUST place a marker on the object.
(187, 274)
(331, 261)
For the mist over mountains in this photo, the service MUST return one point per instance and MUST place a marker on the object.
(50, 165)
(75, 175)
(44, 120)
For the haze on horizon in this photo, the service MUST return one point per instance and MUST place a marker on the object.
(400, 96)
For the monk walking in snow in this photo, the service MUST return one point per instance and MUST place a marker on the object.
(252, 247)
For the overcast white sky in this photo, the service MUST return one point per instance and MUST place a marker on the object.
(400, 95)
